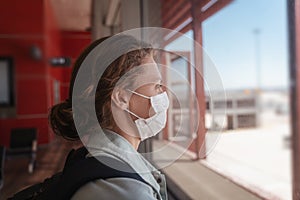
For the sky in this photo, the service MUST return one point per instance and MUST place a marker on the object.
(230, 43)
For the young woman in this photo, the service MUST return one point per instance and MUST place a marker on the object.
(130, 106)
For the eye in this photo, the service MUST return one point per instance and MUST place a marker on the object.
(158, 86)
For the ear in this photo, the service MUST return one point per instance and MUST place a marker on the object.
(120, 99)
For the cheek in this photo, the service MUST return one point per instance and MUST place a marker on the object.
(140, 106)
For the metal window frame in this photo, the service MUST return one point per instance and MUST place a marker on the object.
(293, 10)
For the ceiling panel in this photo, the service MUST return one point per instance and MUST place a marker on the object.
(72, 14)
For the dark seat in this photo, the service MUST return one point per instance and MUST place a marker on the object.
(2, 157)
(23, 142)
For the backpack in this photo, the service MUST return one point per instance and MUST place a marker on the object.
(78, 170)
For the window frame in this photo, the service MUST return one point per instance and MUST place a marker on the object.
(11, 86)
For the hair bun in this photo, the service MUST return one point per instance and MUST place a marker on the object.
(62, 122)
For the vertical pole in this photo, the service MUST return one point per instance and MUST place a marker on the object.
(145, 146)
(131, 14)
(164, 73)
(257, 53)
(294, 62)
(256, 33)
(191, 99)
(98, 29)
(199, 142)
(235, 115)
(96, 20)
(170, 127)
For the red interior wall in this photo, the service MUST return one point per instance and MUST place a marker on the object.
(73, 43)
(20, 27)
(53, 49)
(23, 24)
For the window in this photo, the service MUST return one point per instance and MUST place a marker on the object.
(6, 82)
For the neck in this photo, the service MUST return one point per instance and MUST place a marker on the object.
(134, 141)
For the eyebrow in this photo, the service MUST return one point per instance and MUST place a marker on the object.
(159, 80)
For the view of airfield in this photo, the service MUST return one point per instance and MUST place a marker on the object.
(258, 155)
(247, 118)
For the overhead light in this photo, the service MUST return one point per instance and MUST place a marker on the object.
(60, 61)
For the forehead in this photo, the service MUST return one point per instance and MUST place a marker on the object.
(149, 74)
(138, 76)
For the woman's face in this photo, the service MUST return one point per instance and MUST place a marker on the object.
(150, 84)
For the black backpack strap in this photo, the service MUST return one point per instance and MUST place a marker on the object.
(89, 169)
(78, 170)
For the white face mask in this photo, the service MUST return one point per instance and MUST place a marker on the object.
(153, 125)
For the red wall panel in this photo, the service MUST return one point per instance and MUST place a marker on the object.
(21, 17)
(72, 44)
(32, 96)
(19, 49)
(23, 24)
(27, 23)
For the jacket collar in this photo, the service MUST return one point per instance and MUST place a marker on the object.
(114, 144)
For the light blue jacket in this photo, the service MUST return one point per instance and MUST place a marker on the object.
(112, 144)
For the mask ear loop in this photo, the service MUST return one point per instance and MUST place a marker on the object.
(133, 114)
(141, 95)
(138, 95)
